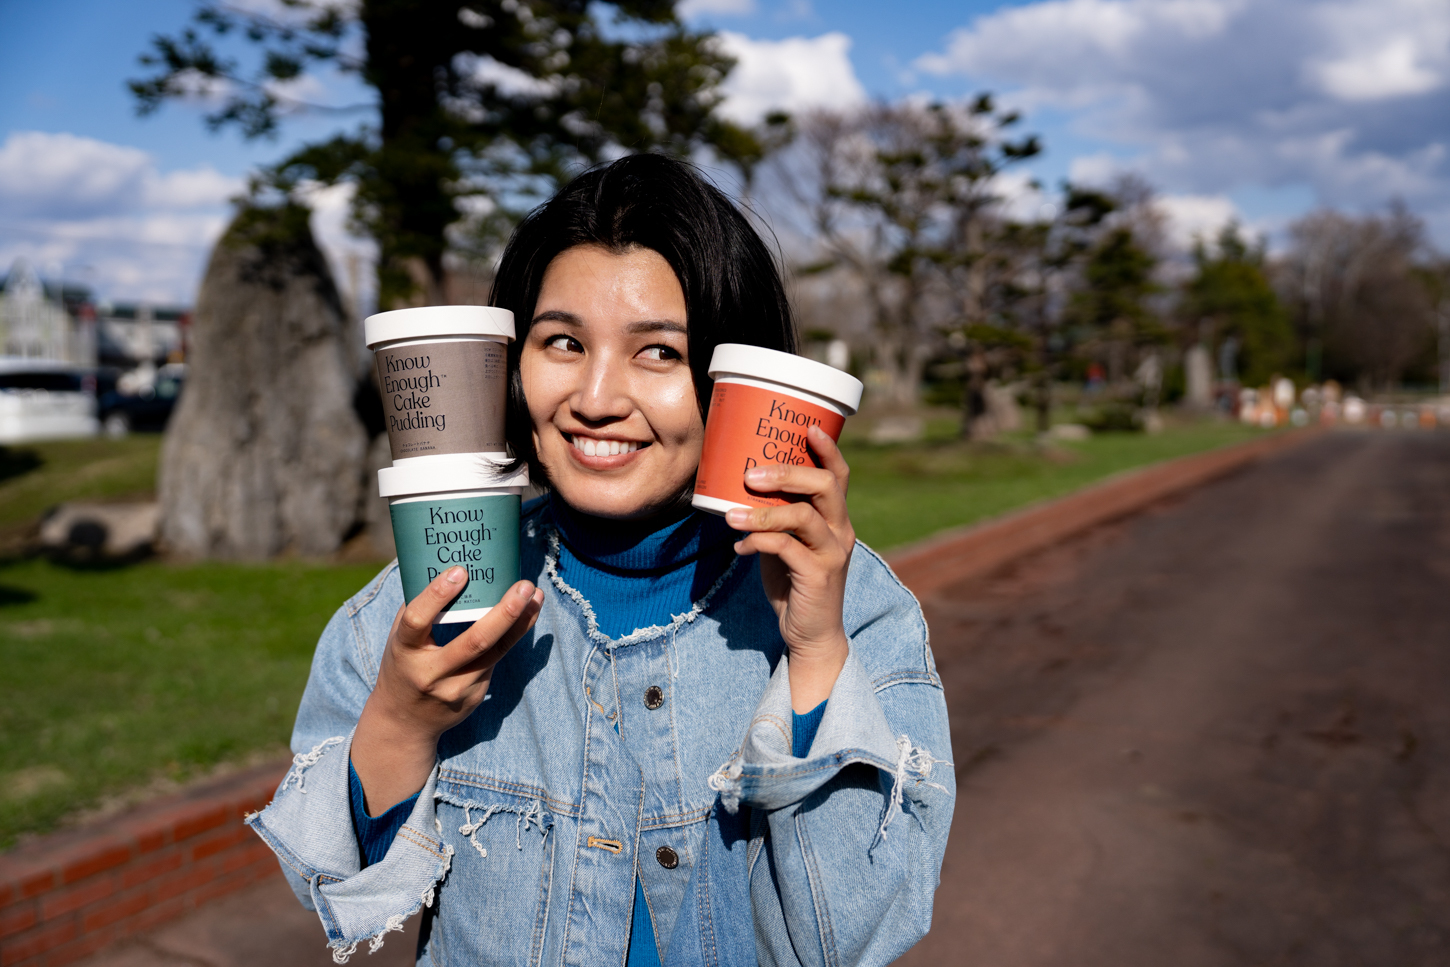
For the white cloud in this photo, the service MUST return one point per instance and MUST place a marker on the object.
(689, 9)
(352, 258)
(105, 214)
(45, 172)
(1051, 40)
(1190, 218)
(510, 81)
(191, 188)
(1210, 96)
(1395, 48)
(1186, 217)
(790, 75)
(62, 175)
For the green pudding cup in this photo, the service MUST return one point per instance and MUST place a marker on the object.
(457, 510)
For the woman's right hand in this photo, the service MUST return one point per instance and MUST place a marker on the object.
(424, 690)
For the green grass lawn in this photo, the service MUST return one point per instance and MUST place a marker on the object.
(35, 476)
(111, 679)
(905, 492)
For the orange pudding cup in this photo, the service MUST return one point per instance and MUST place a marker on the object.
(763, 404)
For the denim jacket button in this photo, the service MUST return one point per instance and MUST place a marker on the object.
(654, 697)
(668, 858)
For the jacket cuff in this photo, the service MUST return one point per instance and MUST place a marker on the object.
(765, 774)
(309, 826)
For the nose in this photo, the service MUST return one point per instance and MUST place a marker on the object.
(603, 393)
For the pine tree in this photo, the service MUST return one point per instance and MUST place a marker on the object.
(1231, 290)
(489, 103)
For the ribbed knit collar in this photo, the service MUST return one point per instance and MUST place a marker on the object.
(624, 547)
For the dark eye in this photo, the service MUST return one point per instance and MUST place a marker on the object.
(564, 343)
(660, 353)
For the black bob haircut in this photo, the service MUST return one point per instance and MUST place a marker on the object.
(733, 291)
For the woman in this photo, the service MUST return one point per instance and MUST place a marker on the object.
(686, 739)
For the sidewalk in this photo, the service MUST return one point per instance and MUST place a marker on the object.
(261, 925)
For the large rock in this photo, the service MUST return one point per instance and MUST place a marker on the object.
(264, 454)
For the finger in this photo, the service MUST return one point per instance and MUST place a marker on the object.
(777, 477)
(801, 520)
(822, 486)
(505, 623)
(415, 625)
(830, 456)
(797, 558)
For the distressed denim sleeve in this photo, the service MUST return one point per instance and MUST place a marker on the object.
(853, 833)
(309, 822)
(848, 840)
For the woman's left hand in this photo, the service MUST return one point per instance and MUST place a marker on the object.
(805, 550)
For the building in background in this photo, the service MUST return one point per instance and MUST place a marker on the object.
(49, 321)
(130, 334)
(69, 365)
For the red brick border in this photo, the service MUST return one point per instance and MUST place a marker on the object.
(70, 894)
(964, 553)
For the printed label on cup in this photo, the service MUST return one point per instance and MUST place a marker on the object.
(444, 397)
(754, 427)
(479, 533)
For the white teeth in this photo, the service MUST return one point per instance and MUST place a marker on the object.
(604, 448)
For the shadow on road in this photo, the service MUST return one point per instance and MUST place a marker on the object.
(1215, 734)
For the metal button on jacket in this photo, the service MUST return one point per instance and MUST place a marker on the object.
(654, 697)
(668, 858)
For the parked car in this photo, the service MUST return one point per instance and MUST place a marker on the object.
(139, 400)
(42, 399)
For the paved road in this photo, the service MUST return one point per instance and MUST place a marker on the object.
(261, 926)
(1217, 734)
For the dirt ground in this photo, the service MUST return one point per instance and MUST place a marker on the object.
(1216, 734)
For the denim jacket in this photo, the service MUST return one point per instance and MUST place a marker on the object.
(526, 841)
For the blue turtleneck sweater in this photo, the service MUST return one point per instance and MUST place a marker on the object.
(632, 580)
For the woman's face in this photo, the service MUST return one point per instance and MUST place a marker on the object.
(606, 370)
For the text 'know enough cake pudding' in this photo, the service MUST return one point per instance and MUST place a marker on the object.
(457, 510)
(443, 375)
(763, 404)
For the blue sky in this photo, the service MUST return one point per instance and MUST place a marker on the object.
(1258, 109)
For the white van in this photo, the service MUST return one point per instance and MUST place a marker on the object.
(41, 399)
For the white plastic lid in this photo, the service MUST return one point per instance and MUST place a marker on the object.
(427, 321)
(450, 471)
(788, 370)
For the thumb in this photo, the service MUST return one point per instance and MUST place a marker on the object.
(415, 626)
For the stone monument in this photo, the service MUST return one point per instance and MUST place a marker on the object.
(264, 455)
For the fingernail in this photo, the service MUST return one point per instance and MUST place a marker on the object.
(455, 575)
(526, 590)
(756, 475)
(737, 515)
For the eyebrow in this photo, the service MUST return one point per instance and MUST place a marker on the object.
(558, 315)
(658, 325)
(634, 328)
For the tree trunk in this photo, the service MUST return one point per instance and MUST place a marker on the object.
(974, 399)
(913, 365)
(1042, 399)
(264, 455)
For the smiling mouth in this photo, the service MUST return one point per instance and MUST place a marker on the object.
(591, 447)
